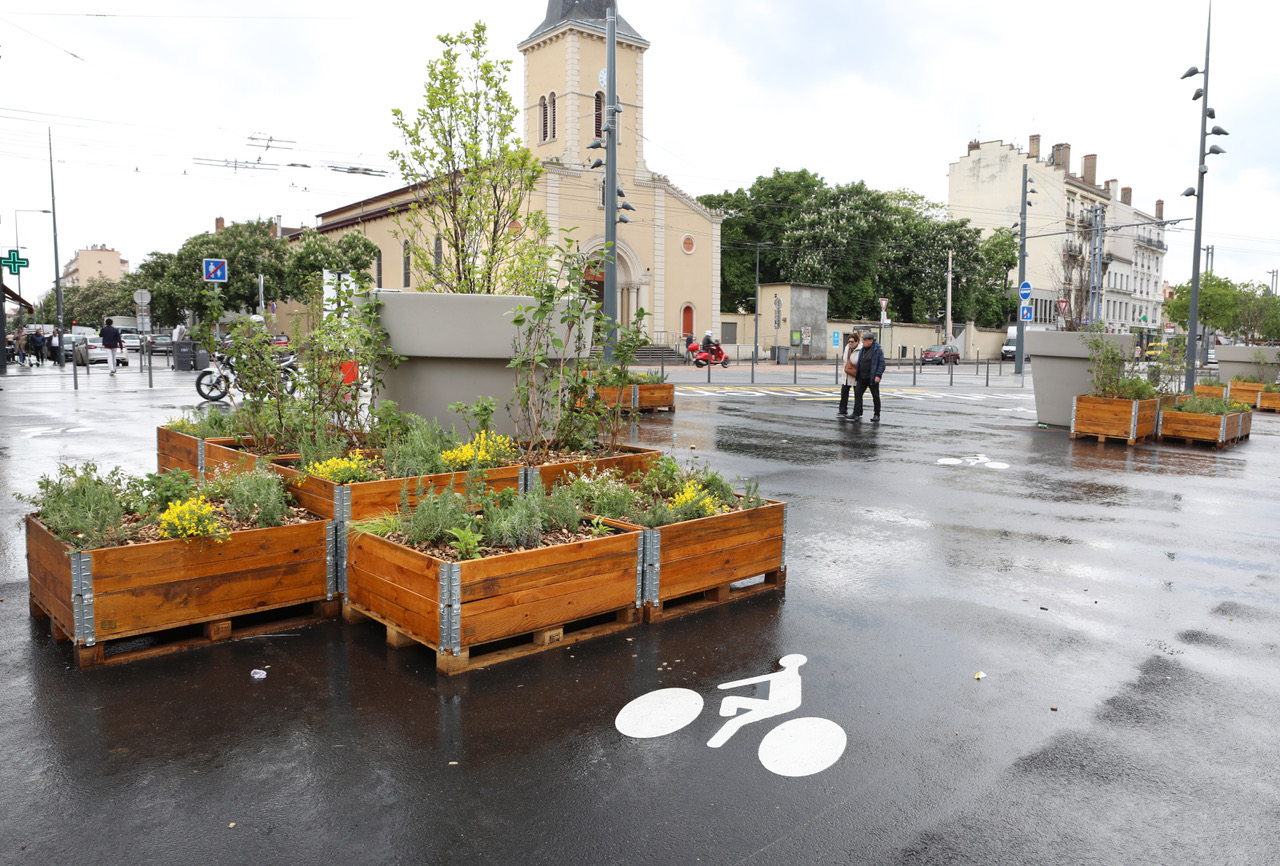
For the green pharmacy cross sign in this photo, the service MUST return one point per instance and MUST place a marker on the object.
(13, 263)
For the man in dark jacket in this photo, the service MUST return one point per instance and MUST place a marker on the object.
(37, 347)
(112, 343)
(870, 369)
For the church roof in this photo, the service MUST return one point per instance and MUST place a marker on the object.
(588, 14)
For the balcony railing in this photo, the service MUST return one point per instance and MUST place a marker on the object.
(1152, 242)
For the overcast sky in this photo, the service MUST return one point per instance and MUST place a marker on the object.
(138, 93)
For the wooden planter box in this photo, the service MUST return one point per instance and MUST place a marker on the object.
(180, 451)
(1269, 401)
(1218, 391)
(1113, 418)
(640, 398)
(544, 597)
(1244, 392)
(97, 597)
(371, 498)
(1218, 430)
(690, 566)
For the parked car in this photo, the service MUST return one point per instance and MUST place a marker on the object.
(88, 350)
(160, 344)
(940, 355)
(132, 342)
(280, 340)
(1212, 357)
(1155, 350)
(1009, 349)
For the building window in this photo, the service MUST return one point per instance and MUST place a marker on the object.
(551, 104)
(437, 254)
(542, 115)
(599, 122)
(377, 270)
(405, 276)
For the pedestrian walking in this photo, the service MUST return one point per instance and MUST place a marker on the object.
(20, 346)
(37, 347)
(849, 371)
(870, 368)
(55, 347)
(111, 342)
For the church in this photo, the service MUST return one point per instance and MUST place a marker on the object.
(668, 256)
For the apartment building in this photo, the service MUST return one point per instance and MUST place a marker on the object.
(1071, 221)
(96, 261)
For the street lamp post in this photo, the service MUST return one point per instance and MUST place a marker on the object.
(756, 346)
(1193, 313)
(17, 243)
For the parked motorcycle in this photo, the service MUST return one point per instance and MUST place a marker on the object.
(715, 356)
(217, 382)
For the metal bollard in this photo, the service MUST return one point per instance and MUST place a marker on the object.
(795, 368)
(951, 373)
(913, 369)
(988, 372)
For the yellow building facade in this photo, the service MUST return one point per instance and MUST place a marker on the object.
(668, 255)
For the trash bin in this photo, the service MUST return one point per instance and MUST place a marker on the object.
(202, 357)
(902, 351)
(184, 355)
(781, 353)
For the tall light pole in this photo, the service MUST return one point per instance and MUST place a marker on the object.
(756, 346)
(1022, 270)
(18, 244)
(1193, 313)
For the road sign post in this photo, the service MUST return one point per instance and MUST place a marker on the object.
(1024, 314)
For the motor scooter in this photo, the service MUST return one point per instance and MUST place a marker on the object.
(715, 356)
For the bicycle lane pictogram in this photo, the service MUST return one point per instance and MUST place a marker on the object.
(797, 747)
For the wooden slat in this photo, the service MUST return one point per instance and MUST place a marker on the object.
(177, 603)
(1113, 417)
(395, 563)
(721, 531)
(176, 450)
(614, 571)
(522, 618)
(632, 461)
(119, 568)
(423, 624)
(222, 453)
(657, 396)
(1189, 425)
(705, 571)
(499, 568)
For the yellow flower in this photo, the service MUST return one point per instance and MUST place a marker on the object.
(192, 518)
(486, 451)
(344, 470)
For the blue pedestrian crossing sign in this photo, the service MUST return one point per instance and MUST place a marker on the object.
(215, 270)
(1025, 313)
(1024, 291)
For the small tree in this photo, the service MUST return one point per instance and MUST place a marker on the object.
(470, 175)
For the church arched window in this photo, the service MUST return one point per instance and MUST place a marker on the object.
(551, 106)
(542, 114)
(599, 113)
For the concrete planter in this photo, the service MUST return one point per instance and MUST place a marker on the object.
(456, 348)
(1239, 361)
(1061, 370)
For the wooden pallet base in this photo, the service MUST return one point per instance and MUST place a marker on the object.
(723, 594)
(1190, 440)
(164, 642)
(484, 655)
(1103, 438)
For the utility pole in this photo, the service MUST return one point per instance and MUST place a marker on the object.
(57, 268)
(1208, 259)
(610, 133)
(1095, 263)
(1275, 274)
(947, 336)
(1020, 346)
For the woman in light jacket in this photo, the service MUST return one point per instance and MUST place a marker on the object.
(852, 347)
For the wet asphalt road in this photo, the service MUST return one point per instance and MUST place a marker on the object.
(1135, 590)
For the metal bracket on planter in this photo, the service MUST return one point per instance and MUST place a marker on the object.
(641, 571)
(635, 396)
(200, 459)
(785, 519)
(1073, 412)
(451, 606)
(1222, 429)
(591, 391)
(342, 503)
(528, 476)
(82, 598)
(1133, 421)
(333, 583)
(652, 564)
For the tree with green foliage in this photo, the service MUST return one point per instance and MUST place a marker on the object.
(471, 176)
(1218, 306)
(313, 253)
(757, 218)
(168, 304)
(250, 248)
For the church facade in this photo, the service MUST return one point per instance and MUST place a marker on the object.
(668, 256)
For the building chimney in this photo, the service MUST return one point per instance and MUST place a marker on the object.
(1106, 184)
(1089, 169)
(218, 225)
(1159, 208)
(1033, 146)
(1126, 194)
(974, 145)
(1062, 157)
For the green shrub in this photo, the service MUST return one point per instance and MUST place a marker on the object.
(417, 451)
(1202, 405)
(83, 508)
(258, 496)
